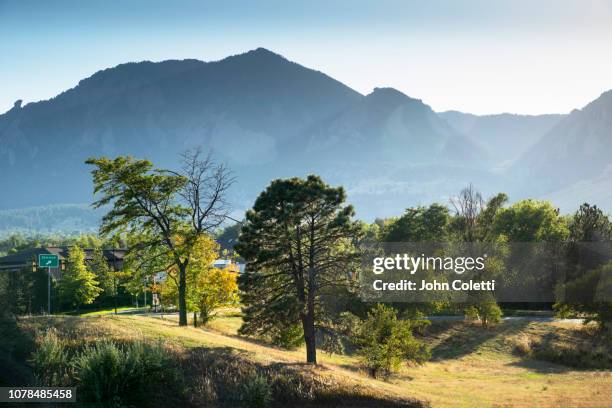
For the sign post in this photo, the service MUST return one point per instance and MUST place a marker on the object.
(48, 261)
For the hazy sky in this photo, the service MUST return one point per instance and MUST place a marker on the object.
(480, 56)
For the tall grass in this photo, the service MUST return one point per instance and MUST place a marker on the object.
(50, 360)
(225, 378)
(107, 373)
(123, 374)
(124, 370)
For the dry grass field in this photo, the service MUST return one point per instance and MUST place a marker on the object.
(471, 366)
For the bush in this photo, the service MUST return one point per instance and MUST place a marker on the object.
(107, 374)
(488, 312)
(256, 392)
(110, 375)
(578, 356)
(522, 346)
(50, 360)
(385, 342)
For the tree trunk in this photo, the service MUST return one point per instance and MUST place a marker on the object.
(182, 295)
(309, 338)
(309, 328)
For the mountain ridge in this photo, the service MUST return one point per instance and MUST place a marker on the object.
(266, 117)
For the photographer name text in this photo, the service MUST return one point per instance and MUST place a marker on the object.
(423, 285)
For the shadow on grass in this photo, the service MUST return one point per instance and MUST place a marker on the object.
(15, 347)
(541, 367)
(554, 353)
(225, 377)
(460, 338)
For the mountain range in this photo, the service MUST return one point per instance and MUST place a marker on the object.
(268, 117)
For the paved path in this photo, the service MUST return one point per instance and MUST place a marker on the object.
(442, 318)
(511, 318)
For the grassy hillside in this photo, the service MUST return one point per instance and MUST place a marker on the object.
(471, 366)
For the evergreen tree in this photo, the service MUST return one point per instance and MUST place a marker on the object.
(102, 271)
(297, 241)
(385, 342)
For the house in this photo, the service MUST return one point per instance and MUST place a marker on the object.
(28, 258)
(229, 264)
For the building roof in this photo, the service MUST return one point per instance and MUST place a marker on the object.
(29, 256)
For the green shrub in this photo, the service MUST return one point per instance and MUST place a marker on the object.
(488, 312)
(111, 375)
(385, 342)
(50, 360)
(256, 392)
(289, 337)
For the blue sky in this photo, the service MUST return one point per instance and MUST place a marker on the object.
(480, 56)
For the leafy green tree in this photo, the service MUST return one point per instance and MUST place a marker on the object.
(385, 342)
(474, 222)
(119, 280)
(208, 288)
(24, 291)
(216, 288)
(12, 243)
(531, 221)
(486, 218)
(298, 244)
(486, 310)
(88, 241)
(172, 210)
(419, 224)
(78, 285)
(588, 228)
(589, 268)
(590, 296)
(535, 232)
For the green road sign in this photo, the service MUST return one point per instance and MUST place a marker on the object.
(48, 261)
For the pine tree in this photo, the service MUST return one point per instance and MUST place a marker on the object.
(297, 241)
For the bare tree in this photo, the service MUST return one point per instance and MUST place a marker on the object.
(468, 205)
(204, 194)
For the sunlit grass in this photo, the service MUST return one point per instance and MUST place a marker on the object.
(112, 311)
(471, 366)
